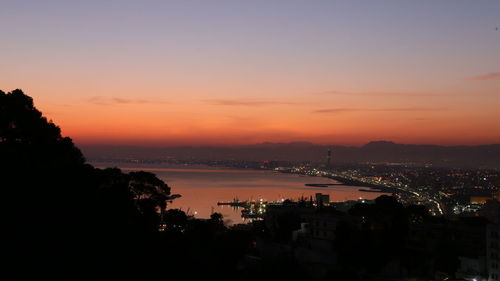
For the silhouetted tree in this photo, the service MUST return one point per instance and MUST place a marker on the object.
(175, 219)
(68, 219)
(216, 218)
(57, 204)
(151, 195)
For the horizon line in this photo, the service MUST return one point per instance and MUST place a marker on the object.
(273, 143)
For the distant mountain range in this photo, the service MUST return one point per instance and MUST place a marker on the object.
(481, 156)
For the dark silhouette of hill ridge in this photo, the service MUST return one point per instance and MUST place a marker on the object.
(479, 156)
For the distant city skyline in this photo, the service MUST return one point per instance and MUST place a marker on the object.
(171, 73)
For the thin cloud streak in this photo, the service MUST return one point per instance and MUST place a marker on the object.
(486, 77)
(118, 101)
(228, 102)
(402, 109)
(378, 94)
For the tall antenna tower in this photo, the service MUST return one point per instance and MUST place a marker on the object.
(329, 159)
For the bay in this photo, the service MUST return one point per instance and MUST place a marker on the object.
(202, 187)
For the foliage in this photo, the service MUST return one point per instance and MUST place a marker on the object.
(89, 220)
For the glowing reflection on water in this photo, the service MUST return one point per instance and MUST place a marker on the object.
(202, 188)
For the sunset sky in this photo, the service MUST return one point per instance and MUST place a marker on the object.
(211, 72)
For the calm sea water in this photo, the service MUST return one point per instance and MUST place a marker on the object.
(202, 187)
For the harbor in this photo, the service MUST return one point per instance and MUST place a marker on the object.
(256, 209)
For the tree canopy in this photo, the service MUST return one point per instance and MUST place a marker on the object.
(56, 198)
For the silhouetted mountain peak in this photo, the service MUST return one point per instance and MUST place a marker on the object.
(380, 144)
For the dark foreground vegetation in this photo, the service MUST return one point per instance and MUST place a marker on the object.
(65, 218)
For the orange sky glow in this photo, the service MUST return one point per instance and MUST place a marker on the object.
(337, 72)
